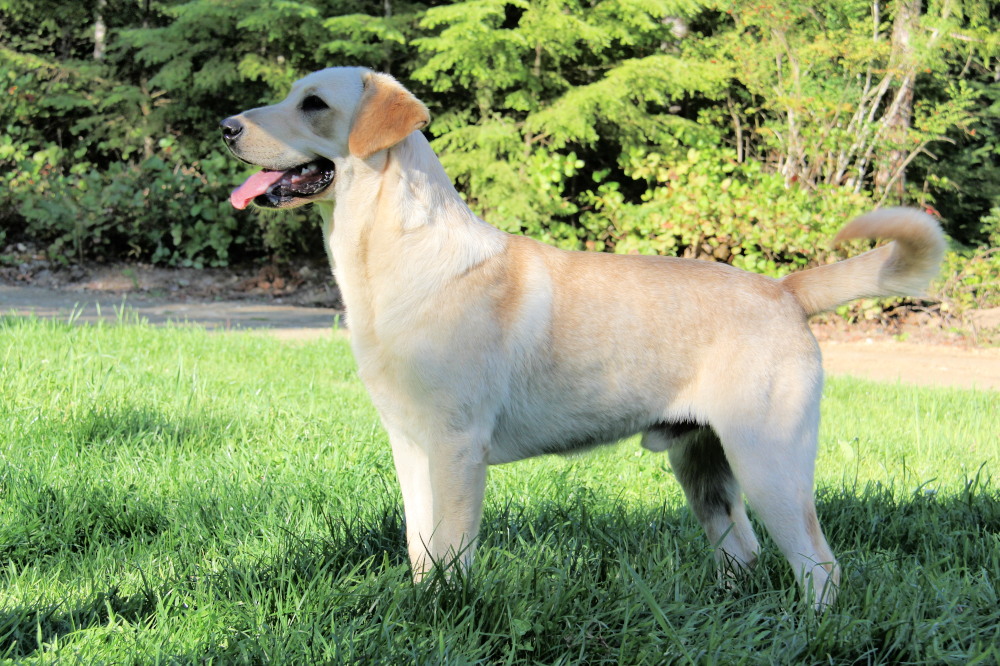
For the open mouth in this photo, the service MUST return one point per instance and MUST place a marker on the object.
(281, 189)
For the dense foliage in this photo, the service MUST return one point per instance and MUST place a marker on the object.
(744, 131)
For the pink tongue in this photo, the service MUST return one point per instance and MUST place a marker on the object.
(255, 185)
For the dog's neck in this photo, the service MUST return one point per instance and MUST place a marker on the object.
(398, 220)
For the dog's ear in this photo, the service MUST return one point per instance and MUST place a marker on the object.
(387, 114)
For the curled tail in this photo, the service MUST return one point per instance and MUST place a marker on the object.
(901, 268)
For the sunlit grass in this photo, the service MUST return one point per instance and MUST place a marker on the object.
(171, 495)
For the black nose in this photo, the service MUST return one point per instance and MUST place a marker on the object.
(231, 129)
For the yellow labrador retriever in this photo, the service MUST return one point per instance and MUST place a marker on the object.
(481, 348)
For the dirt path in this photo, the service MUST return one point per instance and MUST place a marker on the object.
(922, 364)
(881, 359)
(89, 307)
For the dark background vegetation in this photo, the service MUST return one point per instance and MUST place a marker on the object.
(740, 131)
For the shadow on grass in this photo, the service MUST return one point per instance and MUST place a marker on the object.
(554, 579)
(57, 521)
(124, 424)
(881, 518)
(52, 513)
(138, 426)
(359, 547)
(569, 553)
(25, 629)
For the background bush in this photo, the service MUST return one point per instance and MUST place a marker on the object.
(743, 132)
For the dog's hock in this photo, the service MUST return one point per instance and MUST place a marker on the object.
(388, 113)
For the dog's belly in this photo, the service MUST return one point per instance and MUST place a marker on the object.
(562, 403)
(516, 438)
(564, 417)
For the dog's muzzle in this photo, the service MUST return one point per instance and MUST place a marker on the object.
(272, 188)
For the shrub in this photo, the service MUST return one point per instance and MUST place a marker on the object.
(163, 212)
(970, 279)
(707, 205)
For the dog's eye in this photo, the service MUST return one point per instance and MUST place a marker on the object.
(313, 103)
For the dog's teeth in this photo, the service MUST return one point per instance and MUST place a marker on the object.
(308, 169)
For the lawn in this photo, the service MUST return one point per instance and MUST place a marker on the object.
(176, 496)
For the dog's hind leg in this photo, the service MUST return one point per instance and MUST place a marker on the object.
(711, 490)
(773, 463)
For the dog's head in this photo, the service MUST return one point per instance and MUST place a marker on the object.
(301, 143)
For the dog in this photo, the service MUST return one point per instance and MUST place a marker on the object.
(480, 348)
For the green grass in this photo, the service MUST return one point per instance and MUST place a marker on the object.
(175, 496)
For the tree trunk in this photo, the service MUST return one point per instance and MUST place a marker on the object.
(387, 14)
(100, 31)
(899, 115)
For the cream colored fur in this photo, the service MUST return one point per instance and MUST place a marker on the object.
(480, 348)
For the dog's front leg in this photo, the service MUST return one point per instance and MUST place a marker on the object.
(442, 485)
